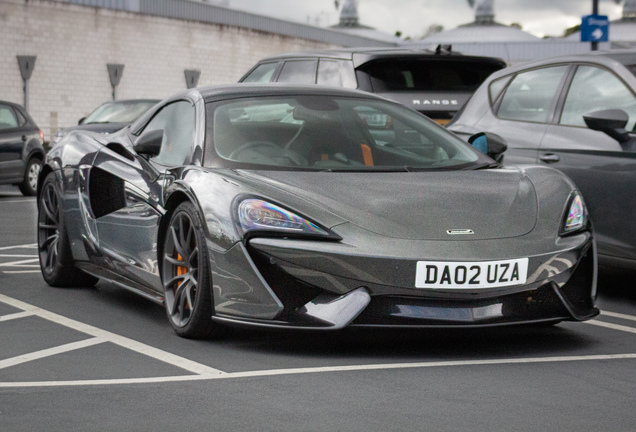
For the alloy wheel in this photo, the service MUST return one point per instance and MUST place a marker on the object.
(49, 228)
(32, 175)
(181, 269)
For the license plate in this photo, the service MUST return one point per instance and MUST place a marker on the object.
(467, 275)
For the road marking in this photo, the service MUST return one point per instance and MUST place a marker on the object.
(21, 263)
(21, 271)
(612, 326)
(17, 201)
(25, 246)
(328, 369)
(17, 256)
(16, 315)
(166, 357)
(618, 315)
(51, 352)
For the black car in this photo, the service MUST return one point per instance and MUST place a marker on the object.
(576, 114)
(436, 83)
(21, 148)
(312, 208)
(110, 117)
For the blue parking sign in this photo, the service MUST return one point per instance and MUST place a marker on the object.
(595, 28)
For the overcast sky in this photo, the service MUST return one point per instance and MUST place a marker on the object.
(413, 17)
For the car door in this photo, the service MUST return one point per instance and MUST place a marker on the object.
(132, 194)
(521, 115)
(12, 141)
(602, 169)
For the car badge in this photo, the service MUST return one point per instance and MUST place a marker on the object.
(460, 231)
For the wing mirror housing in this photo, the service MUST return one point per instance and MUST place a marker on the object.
(149, 143)
(489, 143)
(612, 122)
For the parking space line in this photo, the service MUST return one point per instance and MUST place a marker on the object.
(618, 315)
(18, 201)
(24, 246)
(612, 326)
(17, 256)
(50, 352)
(21, 271)
(166, 357)
(16, 315)
(328, 369)
(20, 263)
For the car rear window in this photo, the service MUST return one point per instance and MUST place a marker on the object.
(428, 74)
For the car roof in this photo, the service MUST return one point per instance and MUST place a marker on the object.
(134, 101)
(364, 55)
(242, 90)
(610, 59)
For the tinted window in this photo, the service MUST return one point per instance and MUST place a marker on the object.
(427, 75)
(595, 89)
(262, 73)
(7, 118)
(530, 94)
(298, 72)
(324, 133)
(329, 73)
(177, 122)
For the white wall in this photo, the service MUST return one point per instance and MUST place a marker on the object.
(73, 44)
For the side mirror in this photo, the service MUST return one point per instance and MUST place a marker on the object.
(612, 122)
(149, 143)
(81, 121)
(489, 143)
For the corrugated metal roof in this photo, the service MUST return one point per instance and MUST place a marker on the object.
(214, 14)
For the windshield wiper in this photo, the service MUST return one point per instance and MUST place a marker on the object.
(485, 165)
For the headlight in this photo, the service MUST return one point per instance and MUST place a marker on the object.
(576, 215)
(259, 215)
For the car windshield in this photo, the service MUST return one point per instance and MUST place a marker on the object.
(331, 134)
(119, 112)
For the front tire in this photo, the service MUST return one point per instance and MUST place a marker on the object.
(29, 185)
(54, 251)
(186, 275)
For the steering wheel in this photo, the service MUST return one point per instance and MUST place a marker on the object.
(289, 154)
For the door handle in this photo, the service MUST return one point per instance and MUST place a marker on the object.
(24, 138)
(549, 157)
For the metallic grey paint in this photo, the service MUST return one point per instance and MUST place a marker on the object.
(381, 223)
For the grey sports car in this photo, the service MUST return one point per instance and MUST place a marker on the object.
(313, 208)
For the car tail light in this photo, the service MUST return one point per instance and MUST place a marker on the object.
(41, 134)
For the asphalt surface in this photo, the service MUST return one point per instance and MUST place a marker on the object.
(101, 358)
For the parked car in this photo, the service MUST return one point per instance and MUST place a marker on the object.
(436, 83)
(315, 208)
(576, 114)
(21, 148)
(110, 117)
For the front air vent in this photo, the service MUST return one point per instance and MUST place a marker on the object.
(106, 192)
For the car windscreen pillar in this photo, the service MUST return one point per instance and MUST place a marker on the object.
(26, 64)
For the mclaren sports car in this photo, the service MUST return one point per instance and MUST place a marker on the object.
(313, 208)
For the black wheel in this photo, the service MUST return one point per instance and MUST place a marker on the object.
(186, 275)
(54, 251)
(29, 185)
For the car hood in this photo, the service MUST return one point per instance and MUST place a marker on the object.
(495, 203)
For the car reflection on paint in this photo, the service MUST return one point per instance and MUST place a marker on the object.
(306, 207)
